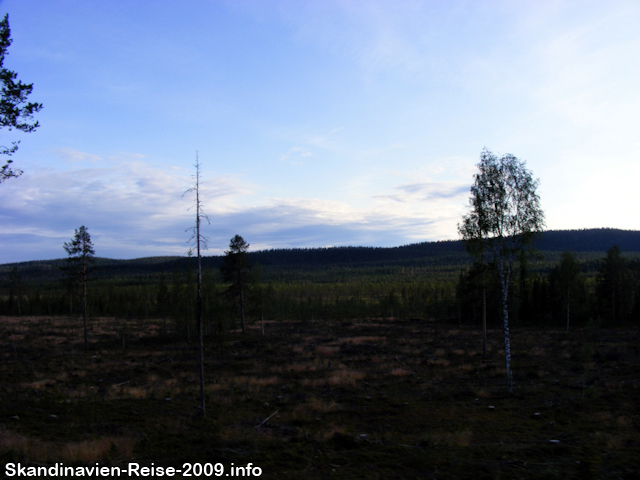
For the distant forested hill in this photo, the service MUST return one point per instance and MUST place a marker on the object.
(447, 256)
(592, 240)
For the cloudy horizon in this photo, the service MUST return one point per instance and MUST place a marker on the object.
(319, 123)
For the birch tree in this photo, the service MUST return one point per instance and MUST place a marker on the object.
(504, 218)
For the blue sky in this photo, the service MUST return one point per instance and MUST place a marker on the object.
(318, 123)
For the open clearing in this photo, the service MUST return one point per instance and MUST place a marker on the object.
(372, 398)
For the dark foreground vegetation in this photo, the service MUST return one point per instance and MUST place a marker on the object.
(366, 398)
(433, 279)
(356, 363)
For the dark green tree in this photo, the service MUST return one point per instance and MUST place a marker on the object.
(15, 289)
(568, 274)
(614, 287)
(177, 301)
(505, 216)
(476, 293)
(15, 110)
(236, 269)
(162, 301)
(79, 264)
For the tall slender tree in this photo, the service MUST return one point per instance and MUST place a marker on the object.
(614, 288)
(162, 301)
(200, 243)
(15, 111)
(505, 216)
(568, 274)
(79, 264)
(476, 248)
(235, 269)
(15, 289)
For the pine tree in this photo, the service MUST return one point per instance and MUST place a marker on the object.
(15, 289)
(79, 265)
(235, 269)
(15, 111)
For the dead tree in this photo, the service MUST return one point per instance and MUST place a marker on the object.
(200, 243)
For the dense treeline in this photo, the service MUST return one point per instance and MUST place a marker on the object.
(611, 297)
(173, 298)
(440, 260)
(445, 287)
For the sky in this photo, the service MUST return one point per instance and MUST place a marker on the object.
(316, 123)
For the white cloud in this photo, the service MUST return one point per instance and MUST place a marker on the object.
(133, 209)
(383, 107)
(294, 155)
(71, 155)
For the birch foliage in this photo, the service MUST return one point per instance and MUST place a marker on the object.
(504, 217)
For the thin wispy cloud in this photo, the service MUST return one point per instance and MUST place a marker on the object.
(318, 123)
(131, 206)
(426, 191)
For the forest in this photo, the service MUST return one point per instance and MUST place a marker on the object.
(354, 363)
(431, 280)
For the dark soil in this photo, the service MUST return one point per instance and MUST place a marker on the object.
(373, 398)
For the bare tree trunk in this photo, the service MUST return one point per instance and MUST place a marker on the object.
(484, 314)
(84, 296)
(200, 334)
(484, 320)
(199, 302)
(504, 282)
(241, 305)
(199, 239)
(568, 290)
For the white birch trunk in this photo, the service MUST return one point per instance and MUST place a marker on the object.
(504, 283)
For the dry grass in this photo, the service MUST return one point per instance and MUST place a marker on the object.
(327, 351)
(482, 393)
(361, 340)
(443, 362)
(345, 377)
(397, 399)
(444, 438)
(318, 405)
(43, 451)
(400, 372)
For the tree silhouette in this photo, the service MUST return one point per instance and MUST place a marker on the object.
(79, 265)
(235, 269)
(504, 218)
(15, 111)
(15, 288)
(568, 275)
(201, 242)
(615, 287)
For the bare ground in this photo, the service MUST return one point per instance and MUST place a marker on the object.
(373, 398)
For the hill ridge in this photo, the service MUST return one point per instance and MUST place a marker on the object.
(442, 251)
